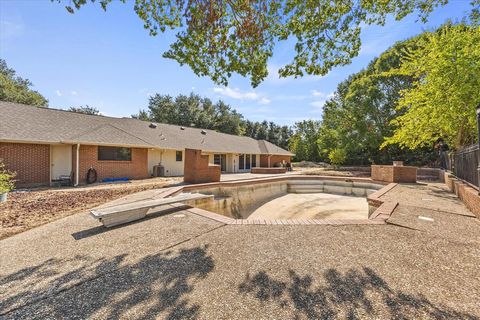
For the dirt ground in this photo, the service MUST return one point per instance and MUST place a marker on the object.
(332, 172)
(26, 209)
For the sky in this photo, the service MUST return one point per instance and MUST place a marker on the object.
(107, 60)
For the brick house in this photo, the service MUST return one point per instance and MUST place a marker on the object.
(41, 144)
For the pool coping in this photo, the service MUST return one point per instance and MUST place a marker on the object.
(384, 208)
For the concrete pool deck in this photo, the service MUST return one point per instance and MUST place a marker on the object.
(176, 265)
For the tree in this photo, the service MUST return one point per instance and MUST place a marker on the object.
(199, 112)
(219, 38)
(85, 109)
(16, 89)
(358, 117)
(446, 88)
(193, 110)
(304, 141)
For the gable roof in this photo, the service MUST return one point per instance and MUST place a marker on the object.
(23, 123)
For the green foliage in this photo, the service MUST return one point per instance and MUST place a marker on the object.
(85, 109)
(219, 38)
(193, 110)
(446, 89)
(269, 131)
(303, 143)
(337, 156)
(6, 179)
(16, 89)
(359, 115)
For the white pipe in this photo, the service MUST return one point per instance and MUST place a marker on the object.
(77, 164)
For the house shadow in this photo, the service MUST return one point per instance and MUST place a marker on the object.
(156, 285)
(351, 295)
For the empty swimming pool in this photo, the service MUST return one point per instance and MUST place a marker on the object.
(302, 198)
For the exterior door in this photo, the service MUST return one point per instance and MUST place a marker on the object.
(61, 161)
(247, 161)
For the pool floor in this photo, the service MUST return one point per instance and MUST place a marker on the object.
(313, 206)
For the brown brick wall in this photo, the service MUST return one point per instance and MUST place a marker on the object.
(273, 159)
(31, 162)
(137, 168)
(197, 169)
(394, 173)
(468, 194)
(268, 170)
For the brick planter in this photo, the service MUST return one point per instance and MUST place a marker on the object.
(394, 173)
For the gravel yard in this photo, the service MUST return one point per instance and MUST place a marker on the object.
(179, 265)
(30, 208)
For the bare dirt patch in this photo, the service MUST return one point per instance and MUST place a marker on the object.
(332, 172)
(27, 209)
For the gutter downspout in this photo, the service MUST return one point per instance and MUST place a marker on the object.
(77, 165)
(269, 161)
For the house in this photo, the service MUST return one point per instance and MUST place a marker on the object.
(42, 144)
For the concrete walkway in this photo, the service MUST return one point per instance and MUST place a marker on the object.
(176, 265)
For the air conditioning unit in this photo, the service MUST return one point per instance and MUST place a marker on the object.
(158, 171)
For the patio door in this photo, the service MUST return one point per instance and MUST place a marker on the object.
(247, 161)
(221, 160)
(241, 162)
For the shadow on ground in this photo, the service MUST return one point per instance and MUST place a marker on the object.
(350, 294)
(159, 283)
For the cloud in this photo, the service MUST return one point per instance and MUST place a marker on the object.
(237, 94)
(264, 101)
(11, 29)
(58, 93)
(317, 93)
(74, 93)
(318, 104)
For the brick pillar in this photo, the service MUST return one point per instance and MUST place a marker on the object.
(197, 169)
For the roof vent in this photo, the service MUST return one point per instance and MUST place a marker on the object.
(182, 128)
(152, 125)
(204, 132)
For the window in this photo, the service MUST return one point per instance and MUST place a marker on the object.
(241, 162)
(114, 154)
(247, 161)
(254, 160)
(178, 155)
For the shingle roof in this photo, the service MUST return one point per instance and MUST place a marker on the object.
(24, 123)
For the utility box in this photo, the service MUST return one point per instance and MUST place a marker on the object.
(158, 171)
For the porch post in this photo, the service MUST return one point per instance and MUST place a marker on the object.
(77, 165)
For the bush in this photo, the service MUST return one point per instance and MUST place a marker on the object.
(6, 179)
(337, 156)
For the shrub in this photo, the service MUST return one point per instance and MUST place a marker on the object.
(6, 179)
(337, 156)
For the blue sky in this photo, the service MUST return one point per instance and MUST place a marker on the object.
(108, 61)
